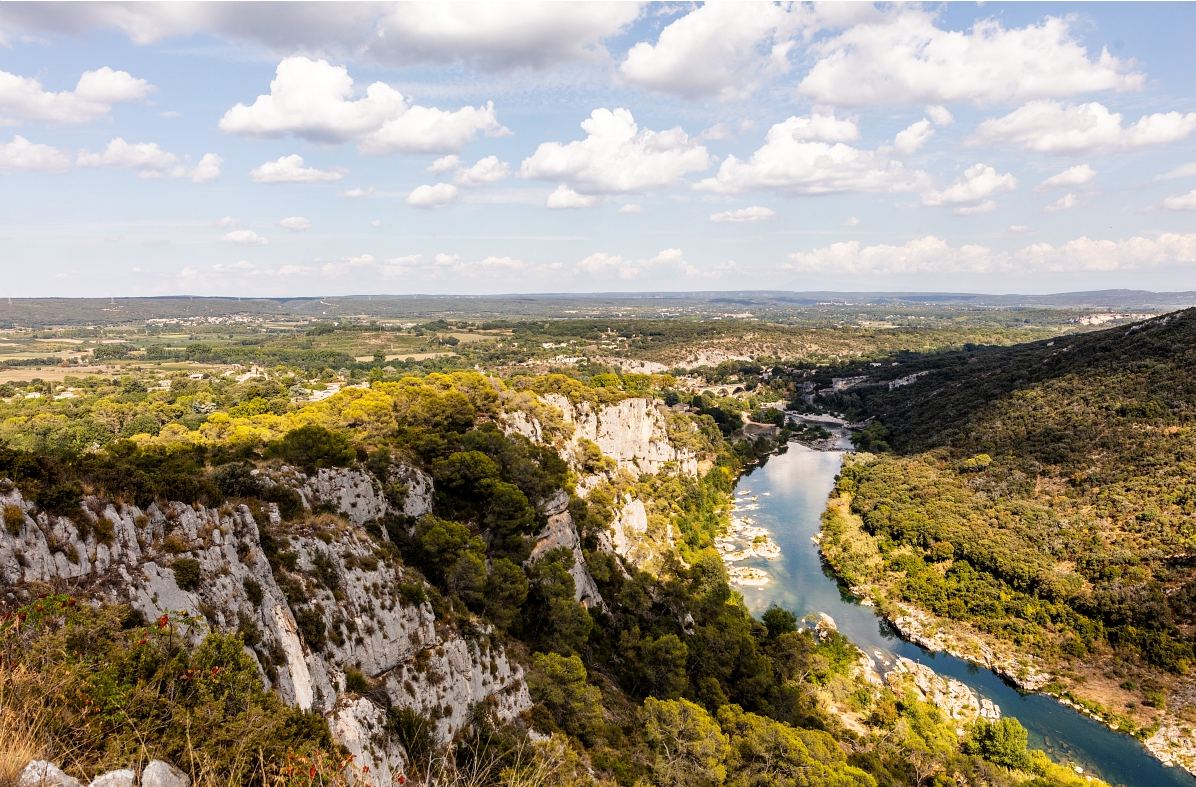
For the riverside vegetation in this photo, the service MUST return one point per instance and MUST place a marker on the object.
(495, 512)
(1041, 498)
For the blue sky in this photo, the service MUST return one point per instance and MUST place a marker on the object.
(301, 149)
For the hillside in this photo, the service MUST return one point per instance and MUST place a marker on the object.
(457, 579)
(1044, 495)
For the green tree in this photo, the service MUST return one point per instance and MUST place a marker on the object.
(686, 746)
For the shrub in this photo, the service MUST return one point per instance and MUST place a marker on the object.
(356, 681)
(186, 573)
(14, 519)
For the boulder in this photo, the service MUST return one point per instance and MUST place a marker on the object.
(122, 778)
(163, 774)
(40, 773)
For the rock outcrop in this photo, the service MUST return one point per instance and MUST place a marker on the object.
(957, 701)
(561, 533)
(633, 432)
(355, 606)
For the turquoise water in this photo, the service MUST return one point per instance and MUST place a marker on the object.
(791, 490)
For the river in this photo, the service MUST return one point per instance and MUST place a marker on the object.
(791, 492)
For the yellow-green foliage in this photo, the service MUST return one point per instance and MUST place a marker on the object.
(109, 694)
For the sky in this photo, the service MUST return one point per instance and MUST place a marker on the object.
(284, 149)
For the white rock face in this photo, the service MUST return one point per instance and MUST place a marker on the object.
(633, 432)
(367, 624)
(630, 536)
(954, 698)
(40, 773)
(357, 724)
(163, 774)
(122, 778)
(561, 533)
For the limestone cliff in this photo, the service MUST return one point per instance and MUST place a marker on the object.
(342, 608)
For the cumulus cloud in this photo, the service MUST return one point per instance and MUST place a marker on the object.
(905, 58)
(1181, 201)
(150, 161)
(21, 154)
(499, 35)
(630, 207)
(1052, 127)
(715, 50)
(358, 192)
(292, 169)
(563, 198)
(432, 196)
(1066, 202)
(295, 223)
(604, 265)
(314, 100)
(972, 191)
(744, 215)
(94, 95)
(617, 156)
(931, 254)
(1079, 175)
(445, 164)
(809, 155)
(492, 35)
(940, 115)
(245, 238)
(484, 172)
(913, 137)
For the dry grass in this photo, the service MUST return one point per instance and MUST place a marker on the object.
(22, 721)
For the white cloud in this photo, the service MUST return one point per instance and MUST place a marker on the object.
(21, 154)
(617, 156)
(744, 215)
(491, 35)
(1182, 171)
(245, 238)
(502, 35)
(208, 168)
(23, 98)
(432, 196)
(940, 115)
(1051, 127)
(444, 164)
(603, 265)
(483, 172)
(913, 137)
(630, 207)
(715, 50)
(292, 169)
(295, 223)
(1181, 201)
(314, 100)
(1018, 229)
(971, 192)
(358, 192)
(228, 222)
(565, 198)
(1079, 175)
(1066, 202)
(853, 221)
(150, 161)
(808, 155)
(930, 254)
(905, 58)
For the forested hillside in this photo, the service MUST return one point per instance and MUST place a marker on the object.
(1045, 494)
(417, 578)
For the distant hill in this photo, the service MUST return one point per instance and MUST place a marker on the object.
(72, 311)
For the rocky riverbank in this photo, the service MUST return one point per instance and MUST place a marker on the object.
(1171, 743)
